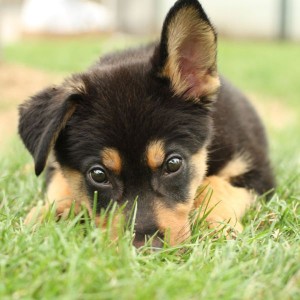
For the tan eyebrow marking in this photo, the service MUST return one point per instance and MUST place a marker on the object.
(155, 154)
(111, 159)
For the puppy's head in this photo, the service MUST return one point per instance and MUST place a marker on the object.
(135, 126)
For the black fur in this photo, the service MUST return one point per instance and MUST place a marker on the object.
(126, 104)
(238, 130)
(113, 115)
(40, 122)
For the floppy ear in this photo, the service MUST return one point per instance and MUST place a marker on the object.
(44, 116)
(187, 52)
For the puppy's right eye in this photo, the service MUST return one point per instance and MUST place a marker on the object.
(173, 164)
(98, 175)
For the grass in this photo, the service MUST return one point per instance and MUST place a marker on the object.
(66, 260)
(65, 55)
(267, 68)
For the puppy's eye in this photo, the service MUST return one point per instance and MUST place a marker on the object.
(98, 175)
(173, 164)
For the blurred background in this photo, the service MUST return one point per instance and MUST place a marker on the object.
(247, 18)
(42, 41)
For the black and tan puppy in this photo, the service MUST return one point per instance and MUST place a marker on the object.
(152, 124)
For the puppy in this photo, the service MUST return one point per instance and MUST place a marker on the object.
(154, 125)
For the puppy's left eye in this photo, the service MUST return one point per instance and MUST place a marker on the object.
(173, 164)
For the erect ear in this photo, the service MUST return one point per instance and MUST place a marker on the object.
(44, 116)
(187, 52)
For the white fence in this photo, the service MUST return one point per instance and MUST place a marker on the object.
(238, 18)
(252, 18)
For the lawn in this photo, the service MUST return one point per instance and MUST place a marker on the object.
(67, 260)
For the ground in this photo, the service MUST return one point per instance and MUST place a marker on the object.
(67, 260)
(17, 83)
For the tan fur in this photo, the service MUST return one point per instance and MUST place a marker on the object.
(62, 195)
(58, 188)
(225, 203)
(112, 160)
(155, 154)
(187, 24)
(198, 163)
(76, 182)
(173, 222)
(237, 166)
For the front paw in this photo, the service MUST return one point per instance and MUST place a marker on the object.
(36, 215)
(60, 210)
(228, 228)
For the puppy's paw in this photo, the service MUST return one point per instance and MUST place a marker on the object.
(36, 215)
(228, 228)
(61, 210)
(223, 205)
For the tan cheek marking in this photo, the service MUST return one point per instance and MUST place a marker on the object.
(226, 203)
(174, 222)
(239, 165)
(112, 160)
(117, 225)
(64, 192)
(58, 188)
(75, 181)
(155, 154)
(59, 192)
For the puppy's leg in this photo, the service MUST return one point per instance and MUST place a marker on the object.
(59, 196)
(222, 204)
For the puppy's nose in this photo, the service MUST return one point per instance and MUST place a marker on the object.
(140, 239)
